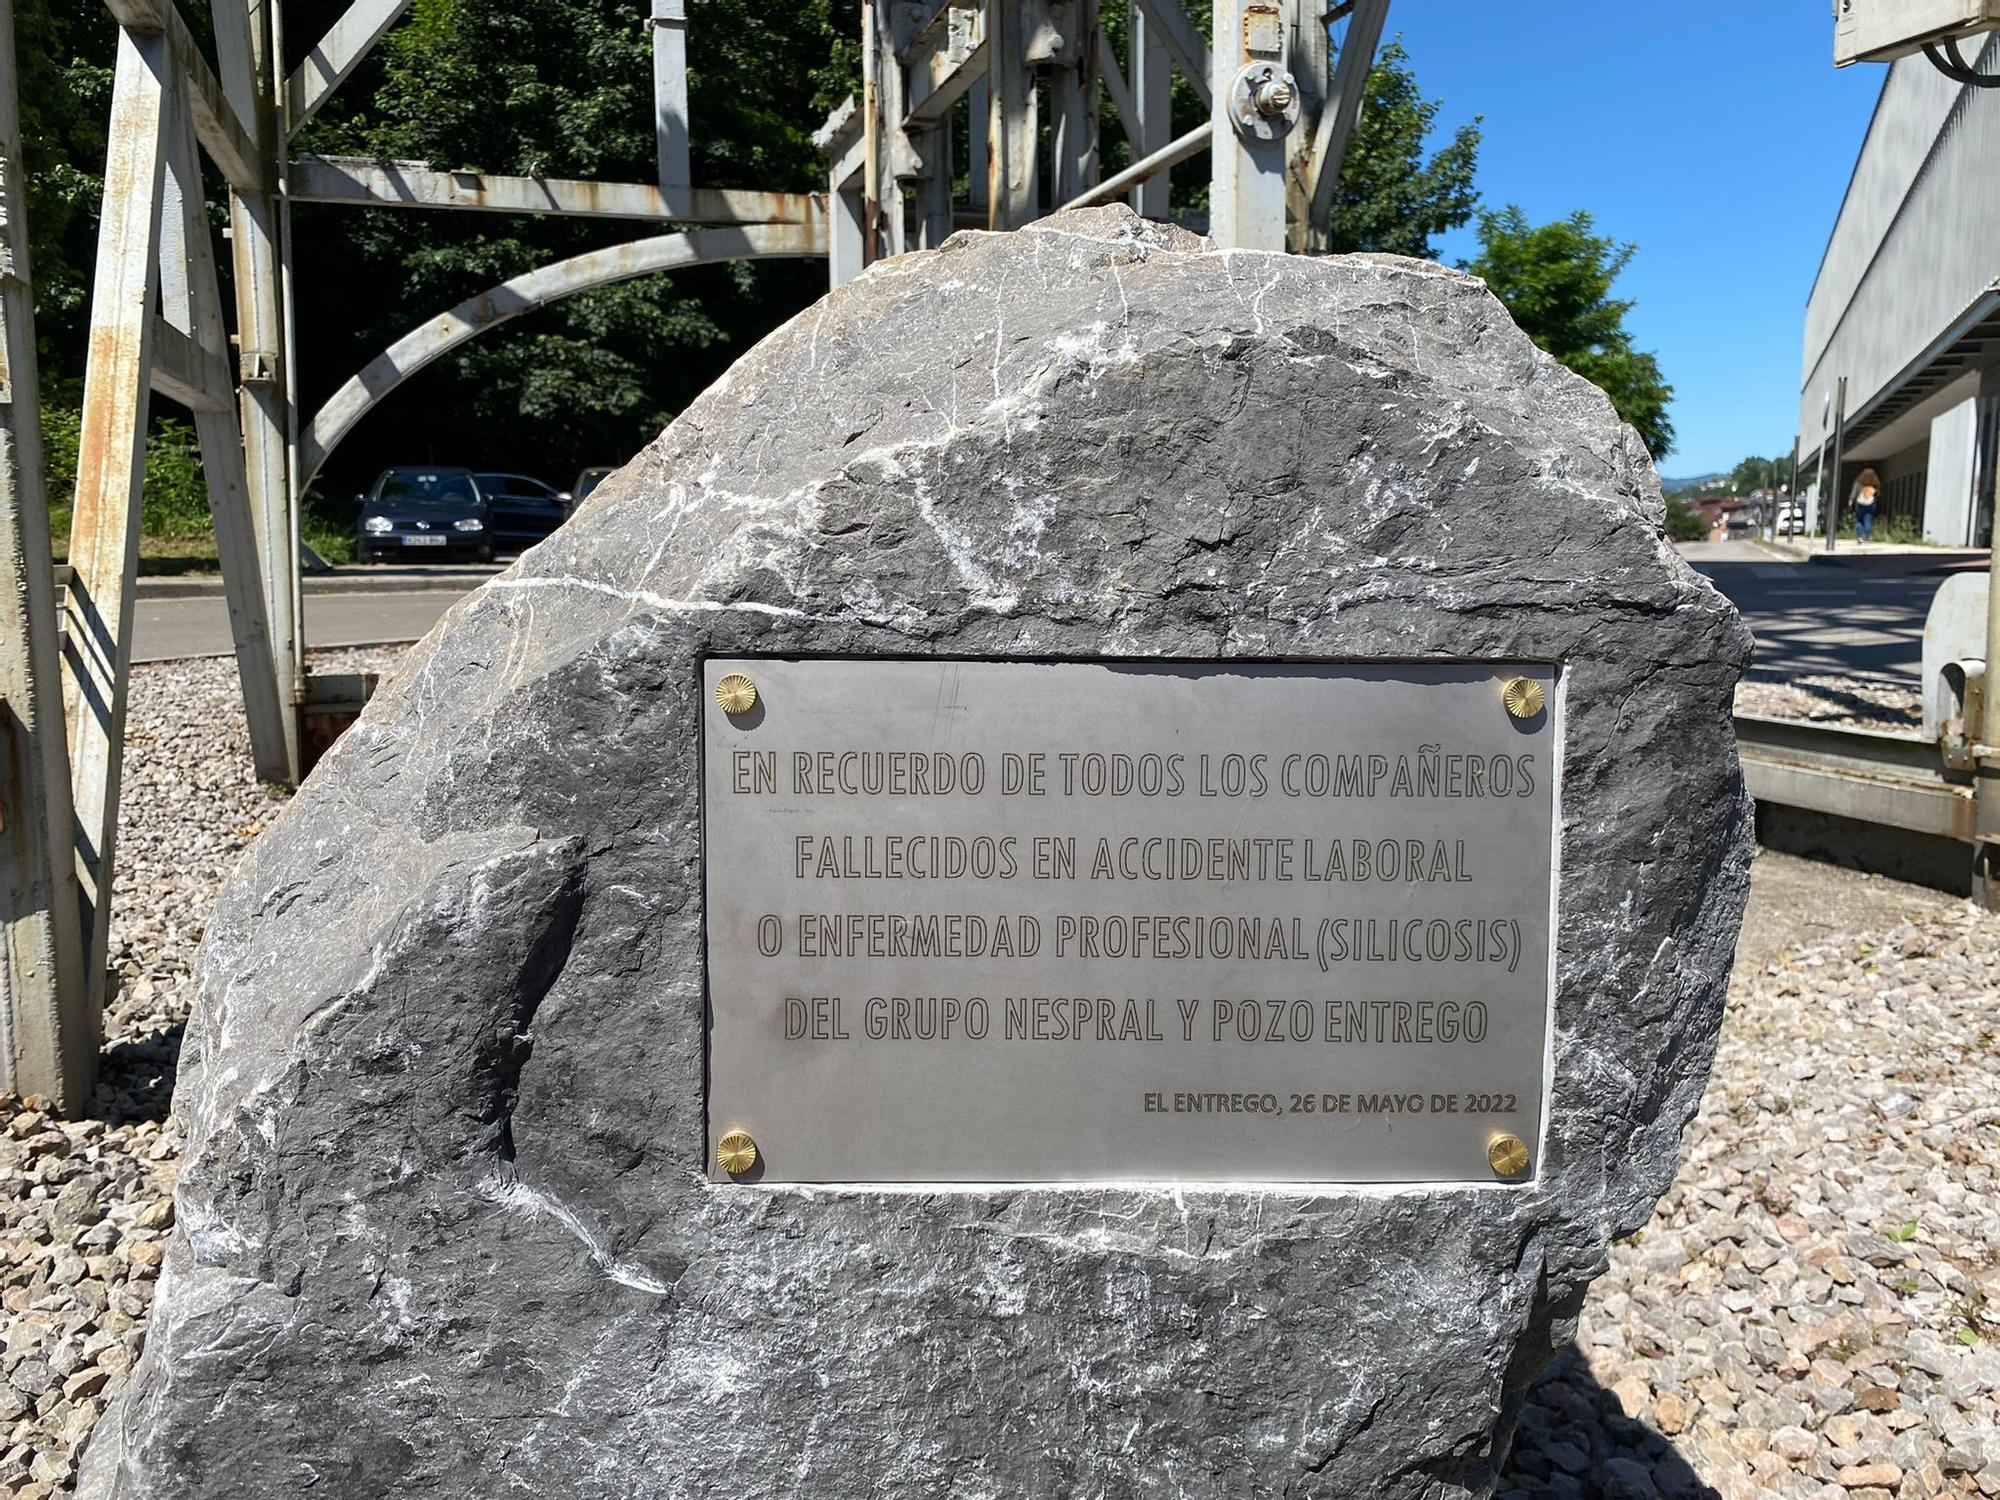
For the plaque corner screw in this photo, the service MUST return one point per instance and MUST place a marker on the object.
(737, 694)
(1523, 696)
(1507, 1154)
(736, 1153)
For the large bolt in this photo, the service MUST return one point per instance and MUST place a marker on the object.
(1274, 95)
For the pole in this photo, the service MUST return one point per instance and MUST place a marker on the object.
(48, 1044)
(1839, 446)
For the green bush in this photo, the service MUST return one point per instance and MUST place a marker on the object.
(175, 506)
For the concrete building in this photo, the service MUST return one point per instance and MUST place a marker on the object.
(1906, 308)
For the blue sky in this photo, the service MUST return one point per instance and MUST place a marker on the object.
(1718, 138)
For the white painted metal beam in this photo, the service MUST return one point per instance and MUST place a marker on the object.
(244, 48)
(1149, 126)
(48, 1035)
(535, 289)
(1342, 111)
(104, 530)
(184, 372)
(1013, 127)
(190, 321)
(406, 184)
(670, 94)
(222, 133)
(940, 67)
(335, 56)
(1170, 26)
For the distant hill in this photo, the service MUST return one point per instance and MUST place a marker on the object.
(1675, 485)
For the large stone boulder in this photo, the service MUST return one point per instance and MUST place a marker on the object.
(446, 1226)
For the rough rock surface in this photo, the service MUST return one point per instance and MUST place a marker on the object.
(443, 1228)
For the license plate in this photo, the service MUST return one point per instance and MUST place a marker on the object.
(424, 541)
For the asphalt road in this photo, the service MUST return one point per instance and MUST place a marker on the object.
(168, 628)
(1807, 617)
(1859, 621)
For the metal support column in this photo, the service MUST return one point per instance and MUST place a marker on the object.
(1339, 115)
(1255, 105)
(1073, 102)
(1830, 500)
(1152, 100)
(104, 533)
(48, 1033)
(243, 55)
(670, 94)
(1013, 136)
(191, 318)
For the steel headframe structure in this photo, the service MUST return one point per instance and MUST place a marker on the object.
(1021, 82)
(1277, 134)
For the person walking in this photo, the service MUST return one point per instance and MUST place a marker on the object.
(1867, 485)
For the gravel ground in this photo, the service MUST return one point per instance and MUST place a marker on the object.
(1856, 702)
(1814, 1310)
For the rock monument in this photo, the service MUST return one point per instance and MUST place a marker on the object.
(1106, 872)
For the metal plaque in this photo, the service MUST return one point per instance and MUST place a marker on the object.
(997, 921)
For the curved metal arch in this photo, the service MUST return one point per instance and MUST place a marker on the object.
(529, 291)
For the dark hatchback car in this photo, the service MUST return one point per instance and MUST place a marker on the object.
(520, 509)
(427, 513)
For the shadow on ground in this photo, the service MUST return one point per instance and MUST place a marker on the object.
(1576, 1443)
(135, 1077)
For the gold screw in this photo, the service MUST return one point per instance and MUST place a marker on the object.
(1506, 1154)
(1523, 697)
(737, 1153)
(737, 694)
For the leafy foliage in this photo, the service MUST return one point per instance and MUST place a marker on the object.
(65, 53)
(1391, 197)
(1556, 280)
(1755, 473)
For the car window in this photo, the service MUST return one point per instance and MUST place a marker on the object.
(425, 487)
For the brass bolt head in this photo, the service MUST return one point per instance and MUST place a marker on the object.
(736, 1152)
(1523, 696)
(737, 694)
(1507, 1154)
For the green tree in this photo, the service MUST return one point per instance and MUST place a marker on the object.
(1556, 280)
(561, 88)
(66, 53)
(1392, 196)
(1755, 473)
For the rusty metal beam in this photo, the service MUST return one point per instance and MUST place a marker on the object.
(1894, 780)
(940, 67)
(1013, 125)
(335, 56)
(407, 184)
(536, 289)
(244, 48)
(104, 530)
(221, 132)
(190, 320)
(48, 1038)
